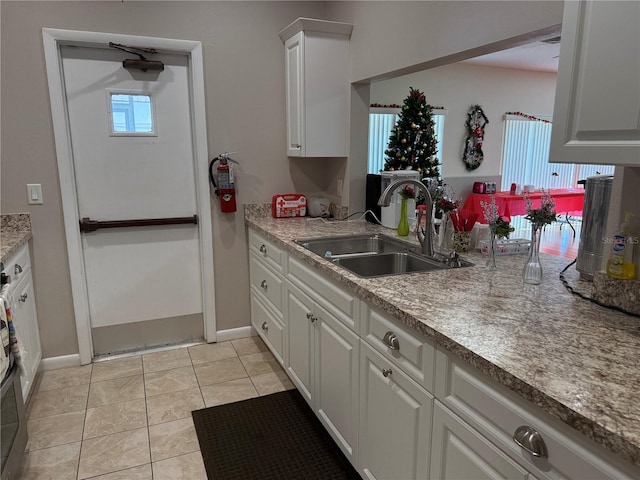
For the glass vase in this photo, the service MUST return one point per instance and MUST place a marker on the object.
(491, 261)
(444, 235)
(532, 272)
(403, 224)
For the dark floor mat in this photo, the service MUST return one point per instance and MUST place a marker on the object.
(272, 437)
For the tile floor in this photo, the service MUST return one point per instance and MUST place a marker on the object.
(130, 418)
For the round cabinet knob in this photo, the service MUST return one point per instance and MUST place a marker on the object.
(17, 269)
(391, 340)
(23, 297)
(263, 248)
(386, 372)
(309, 315)
(529, 439)
(263, 284)
(265, 327)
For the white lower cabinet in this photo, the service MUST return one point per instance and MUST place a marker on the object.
(491, 415)
(323, 364)
(369, 380)
(458, 451)
(25, 316)
(395, 421)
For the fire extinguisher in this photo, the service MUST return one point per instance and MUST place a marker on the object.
(221, 176)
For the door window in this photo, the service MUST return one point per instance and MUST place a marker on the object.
(131, 114)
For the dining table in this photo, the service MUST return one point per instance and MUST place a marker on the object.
(568, 201)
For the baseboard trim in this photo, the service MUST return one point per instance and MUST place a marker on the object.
(235, 333)
(63, 361)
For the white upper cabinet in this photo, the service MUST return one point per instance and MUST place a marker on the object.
(317, 87)
(596, 116)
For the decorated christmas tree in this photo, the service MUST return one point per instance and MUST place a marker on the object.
(412, 143)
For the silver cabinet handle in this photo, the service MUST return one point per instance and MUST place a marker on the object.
(23, 297)
(265, 327)
(311, 317)
(298, 145)
(529, 439)
(386, 372)
(263, 284)
(263, 249)
(17, 269)
(391, 340)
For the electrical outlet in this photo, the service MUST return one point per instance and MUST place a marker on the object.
(34, 194)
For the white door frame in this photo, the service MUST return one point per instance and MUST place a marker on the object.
(53, 39)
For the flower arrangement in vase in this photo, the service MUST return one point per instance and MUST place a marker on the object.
(407, 192)
(499, 227)
(539, 218)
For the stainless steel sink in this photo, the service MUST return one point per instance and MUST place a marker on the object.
(377, 255)
(337, 247)
(388, 264)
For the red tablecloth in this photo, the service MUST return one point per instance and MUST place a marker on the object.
(568, 201)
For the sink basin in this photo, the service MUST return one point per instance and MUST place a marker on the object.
(344, 246)
(388, 264)
(375, 255)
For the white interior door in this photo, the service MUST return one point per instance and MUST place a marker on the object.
(133, 158)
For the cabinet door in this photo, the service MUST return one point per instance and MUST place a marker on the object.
(294, 68)
(461, 452)
(336, 371)
(597, 119)
(26, 325)
(300, 309)
(395, 421)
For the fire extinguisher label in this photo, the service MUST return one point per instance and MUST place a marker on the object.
(225, 180)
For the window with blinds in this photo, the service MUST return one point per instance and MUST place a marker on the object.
(525, 160)
(381, 121)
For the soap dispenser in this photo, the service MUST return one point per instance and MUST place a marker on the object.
(620, 264)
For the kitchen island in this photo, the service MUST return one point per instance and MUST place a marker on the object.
(571, 358)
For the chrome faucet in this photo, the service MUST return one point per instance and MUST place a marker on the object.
(424, 234)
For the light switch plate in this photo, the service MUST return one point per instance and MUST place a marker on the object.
(34, 194)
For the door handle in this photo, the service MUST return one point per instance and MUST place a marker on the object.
(87, 225)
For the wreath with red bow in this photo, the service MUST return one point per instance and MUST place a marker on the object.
(476, 120)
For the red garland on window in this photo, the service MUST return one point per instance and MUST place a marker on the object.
(528, 117)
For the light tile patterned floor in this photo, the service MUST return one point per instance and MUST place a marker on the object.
(130, 418)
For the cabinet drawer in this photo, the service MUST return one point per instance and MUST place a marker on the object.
(270, 328)
(343, 305)
(268, 283)
(19, 264)
(497, 412)
(458, 451)
(416, 357)
(266, 250)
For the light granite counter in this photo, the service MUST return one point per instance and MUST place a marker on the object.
(15, 231)
(572, 358)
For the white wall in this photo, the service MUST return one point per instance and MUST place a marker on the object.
(456, 87)
(396, 38)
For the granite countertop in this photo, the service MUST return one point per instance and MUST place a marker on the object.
(573, 358)
(15, 231)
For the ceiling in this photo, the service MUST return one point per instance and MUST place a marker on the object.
(540, 56)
